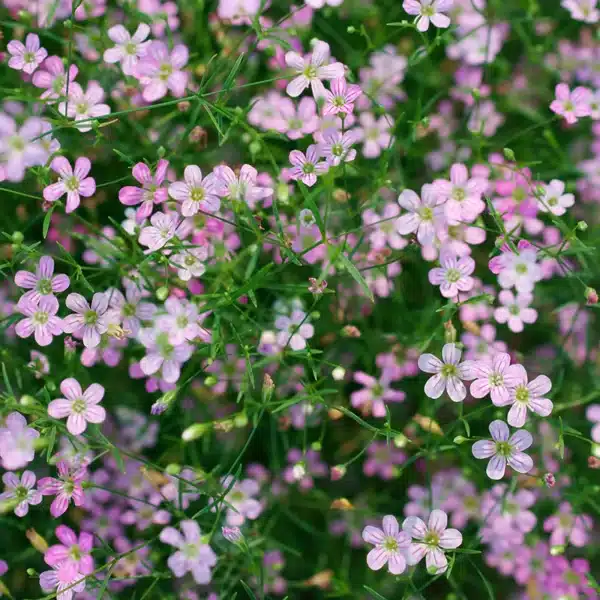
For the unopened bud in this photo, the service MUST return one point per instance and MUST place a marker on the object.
(162, 293)
(593, 462)
(27, 400)
(193, 432)
(17, 238)
(351, 331)
(210, 381)
(36, 540)
(232, 534)
(298, 471)
(556, 550)
(509, 154)
(70, 345)
(400, 441)
(183, 106)
(449, 332)
(161, 405)
(338, 373)
(321, 580)
(268, 387)
(582, 225)
(591, 296)
(549, 480)
(337, 472)
(460, 439)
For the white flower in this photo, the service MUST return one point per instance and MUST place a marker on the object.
(554, 199)
(447, 374)
(129, 48)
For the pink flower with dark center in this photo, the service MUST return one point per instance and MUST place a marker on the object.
(307, 168)
(73, 182)
(80, 407)
(195, 193)
(504, 450)
(84, 107)
(40, 320)
(152, 192)
(17, 442)
(28, 57)
(390, 544)
(88, 322)
(129, 48)
(526, 396)
(160, 71)
(454, 275)
(20, 491)
(72, 550)
(428, 11)
(571, 104)
(67, 487)
(64, 579)
(341, 97)
(43, 283)
(53, 78)
(312, 72)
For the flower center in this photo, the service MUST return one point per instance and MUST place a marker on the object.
(503, 449)
(236, 496)
(339, 101)
(373, 133)
(90, 317)
(496, 380)
(81, 108)
(449, 371)
(427, 11)
(16, 143)
(44, 287)
(426, 214)
(552, 201)
(294, 123)
(337, 150)
(514, 309)
(459, 194)
(569, 106)
(165, 72)
(182, 321)
(452, 275)
(78, 406)
(390, 544)
(189, 260)
(72, 183)
(58, 84)
(21, 493)
(162, 341)
(521, 269)
(128, 309)
(522, 394)
(29, 57)
(377, 390)
(519, 194)
(310, 72)
(190, 551)
(130, 48)
(75, 552)
(432, 538)
(40, 317)
(197, 194)
(571, 577)
(308, 168)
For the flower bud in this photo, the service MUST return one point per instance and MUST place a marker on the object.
(36, 540)
(449, 332)
(299, 471)
(162, 293)
(509, 154)
(591, 296)
(556, 550)
(337, 472)
(232, 534)
(268, 387)
(459, 439)
(582, 225)
(193, 432)
(338, 373)
(549, 480)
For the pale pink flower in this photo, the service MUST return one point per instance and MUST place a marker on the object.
(424, 215)
(161, 355)
(449, 373)
(374, 133)
(554, 199)
(567, 527)
(390, 544)
(428, 10)
(181, 321)
(195, 193)
(28, 57)
(593, 414)
(307, 167)
(129, 48)
(571, 104)
(321, 3)
(163, 228)
(504, 450)
(80, 407)
(190, 263)
(73, 182)
(89, 322)
(312, 72)
(341, 97)
(431, 541)
(337, 147)
(130, 307)
(294, 330)
(73, 549)
(530, 396)
(454, 274)
(582, 10)
(240, 12)
(67, 487)
(241, 189)
(375, 393)
(461, 195)
(64, 579)
(43, 283)
(515, 310)
(17, 441)
(40, 320)
(20, 491)
(160, 71)
(53, 78)
(494, 379)
(152, 191)
(84, 107)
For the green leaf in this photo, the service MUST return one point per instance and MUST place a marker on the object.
(51, 440)
(248, 590)
(47, 219)
(356, 275)
(375, 594)
(488, 586)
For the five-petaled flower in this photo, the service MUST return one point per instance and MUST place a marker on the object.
(390, 543)
(449, 373)
(72, 181)
(80, 407)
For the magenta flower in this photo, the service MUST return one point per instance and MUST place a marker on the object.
(448, 375)
(390, 544)
(84, 107)
(87, 322)
(28, 57)
(461, 195)
(72, 550)
(193, 555)
(424, 214)
(341, 97)
(312, 72)
(17, 442)
(150, 193)
(73, 182)
(526, 396)
(494, 379)
(40, 320)
(515, 310)
(53, 78)
(160, 71)
(241, 189)
(64, 579)
(432, 540)
(241, 504)
(454, 275)
(21, 491)
(376, 392)
(195, 193)
(307, 168)
(80, 407)
(129, 48)
(571, 104)
(567, 527)
(67, 487)
(504, 450)
(43, 283)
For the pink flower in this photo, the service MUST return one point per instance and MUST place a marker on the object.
(163, 228)
(160, 71)
(41, 320)
(593, 414)
(150, 193)
(448, 375)
(20, 491)
(73, 550)
(84, 107)
(462, 195)
(193, 555)
(341, 97)
(181, 321)
(337, 147)
(312, 72)
(515, 310)
(321, 3)
(374, 133)
(28, 57)
(161, 354)
(53, 78)
(454, 274)
(423, 216)
(428, 10)
(66, 488)
(241, 189)
(190, 263)
(88, 322)
(582, 10)
(569, 528)
(130, 307)
(554, 199)
(129, 48)
(504, 450)
(390, 544)
(494, 379)
(528, 396)
(195, 194)
(17, 442)
(432, 540)
(376, 392)
(294, 330)
(239, 500)
(42, 283)
(80, 407)
(571, 105)
(73, 182)
(64, 580)
(307, 168)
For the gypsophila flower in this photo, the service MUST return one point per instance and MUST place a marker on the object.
(554, 200)
(88, 321)
(422, 216)
(494, 379)
(454, 274)
(195, 193)
(72, 549)
(340, 98)
(571, 105)
(17, 442)
(72, 181)
(40, 320)
(64, 579)
(152, 191)
(307, 168)
(84, 106)
(66, 487)
(129, 48)
(428, 11)
(390, 544)
(504, 450)
(528, 396)
(28, 57)
(43, 283)
(515, 310)
(190, 263)
(21, 492)
(449, 373)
